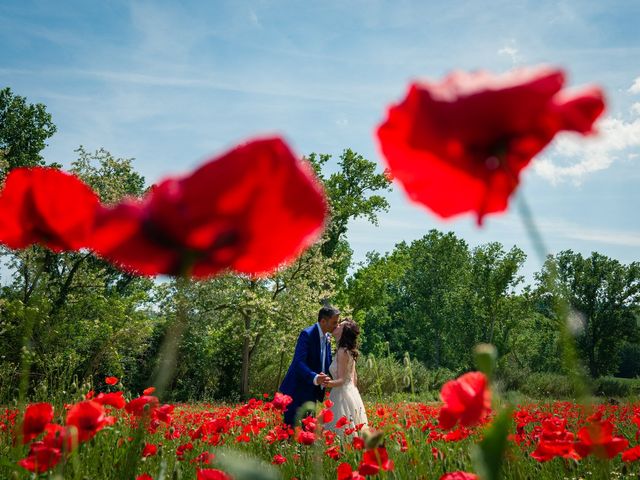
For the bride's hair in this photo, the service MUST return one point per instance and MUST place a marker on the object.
(349, 337)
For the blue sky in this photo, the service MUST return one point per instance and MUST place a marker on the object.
(172, 83)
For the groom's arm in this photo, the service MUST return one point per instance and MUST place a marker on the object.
(300, 359)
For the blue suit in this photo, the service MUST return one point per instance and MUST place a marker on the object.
(306, 364)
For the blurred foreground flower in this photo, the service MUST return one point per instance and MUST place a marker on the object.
(249, 210)
(46, 206)
(459, 145)
(466, 400)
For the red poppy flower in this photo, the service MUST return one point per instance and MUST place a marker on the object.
(597, 438)
(306, 438)
(555, 441)
(326, 415)
(148, 390)
(345, 472)
(137, 405)
(111, 380)
(459, 476)
(88, 417)
(281, 401)
(466, 400)
(46, 206)
(459, 145)
(249, 210)
(144, 476)
(149, 450)
(41, 458)
(358, 443)
(36, 418)
(342, 421)
(631, 455)
(211, 474)
(333, 452)
(114, 399)
(62, 438)
(374, 460)
(278, 459)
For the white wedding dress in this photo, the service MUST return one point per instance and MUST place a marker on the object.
(346, 398)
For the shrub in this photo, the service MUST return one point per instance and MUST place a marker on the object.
(547, 385)
(616, 387)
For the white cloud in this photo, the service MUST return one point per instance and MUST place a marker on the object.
(635, 88)
(573, 157)
(635, 108)
(511, 50)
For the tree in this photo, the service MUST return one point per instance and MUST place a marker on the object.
(250, 312)
(88, 312)
(604, 296)
(494, 279)
(352, 194)
(24, 129)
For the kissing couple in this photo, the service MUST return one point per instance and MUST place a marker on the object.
(314, 369)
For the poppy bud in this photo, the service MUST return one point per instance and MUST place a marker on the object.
(485, 355)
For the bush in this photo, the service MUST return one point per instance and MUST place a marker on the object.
(616, 387)
(547, 385)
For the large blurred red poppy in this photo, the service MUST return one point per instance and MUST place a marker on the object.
(249, 210)
(597, 438)
(459, 145)
(466, 400)
(459, 476)
(46, 206)
(36, 418)
(211, 474)
(88, 417)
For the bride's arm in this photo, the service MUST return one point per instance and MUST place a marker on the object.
(342, 357)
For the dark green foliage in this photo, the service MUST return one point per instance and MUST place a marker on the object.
(616, 387)
(604, 296)
(629, 361)
(24, 129)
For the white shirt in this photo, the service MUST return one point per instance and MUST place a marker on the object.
(324, 344)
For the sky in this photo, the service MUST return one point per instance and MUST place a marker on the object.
(172, 84)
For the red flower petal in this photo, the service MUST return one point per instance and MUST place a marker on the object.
(36, 418)
(466, 399)
(88, 417)
(249, 210)
(46, 206)
(460, 145)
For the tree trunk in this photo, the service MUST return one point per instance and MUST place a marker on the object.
(277, 385)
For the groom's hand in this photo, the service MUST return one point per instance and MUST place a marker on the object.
(322, 378)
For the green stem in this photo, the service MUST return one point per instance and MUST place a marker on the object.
(562, 307)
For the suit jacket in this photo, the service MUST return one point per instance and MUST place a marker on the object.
(306, 364)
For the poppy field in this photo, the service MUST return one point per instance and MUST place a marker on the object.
(457, 146)
(106, 435)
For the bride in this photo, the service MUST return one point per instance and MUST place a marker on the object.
(344, 392)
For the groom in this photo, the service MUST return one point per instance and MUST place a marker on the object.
(310, 365)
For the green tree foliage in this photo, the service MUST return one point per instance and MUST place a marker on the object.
(436, 298)
(232, 319)
(352, 190)
(81, 316)
(24, 129)
(604, 296)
